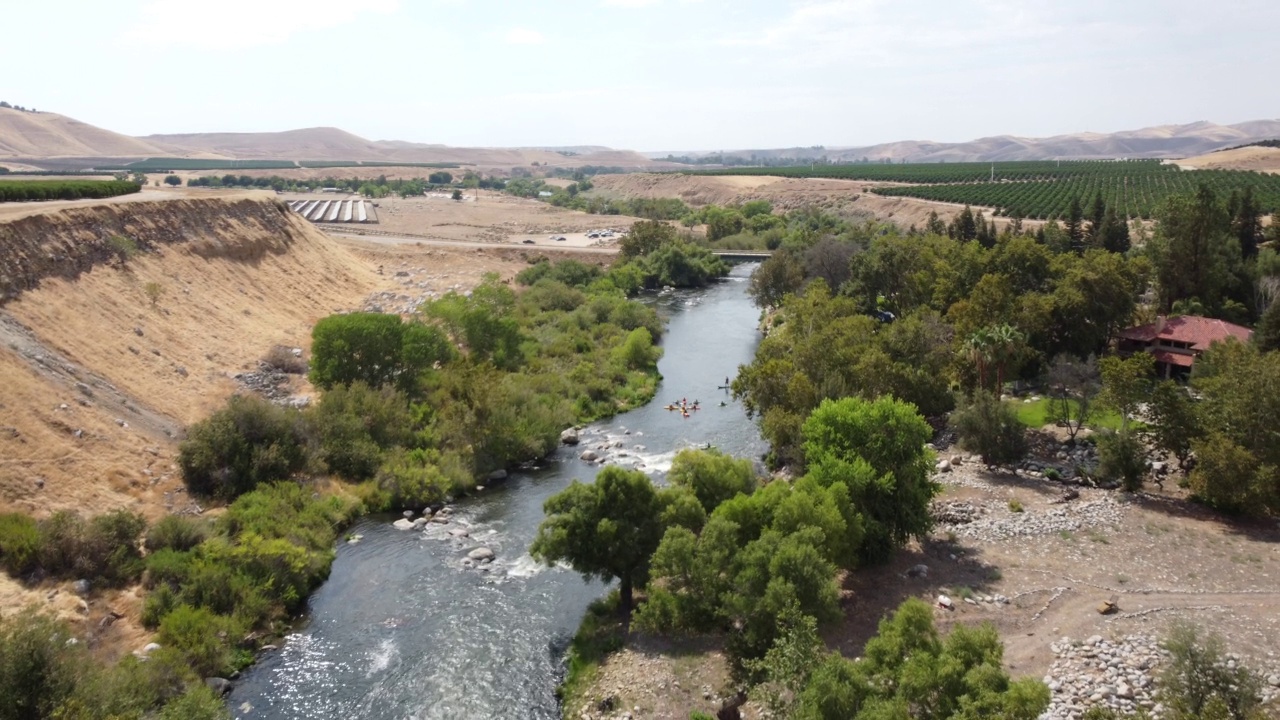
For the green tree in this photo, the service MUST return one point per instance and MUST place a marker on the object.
(780, 275)
(964, 227)
(1192, 250)
(1238, 461)
(1097, 217)
(172, 180)
(712, 476)
(1267, 335)
(645, 237)
(638, 351)
(990, 428)
(910, 671)
(1122, 458)
(457, 195)
(935, 225)
(1073, 385)
(1246, 221)
(1173, 420)
(608, 529)
(249, 442)
(38, 665)
(1074, 225)
(1126, 384)
(1197, 681)
(875, 448)
(374, 348)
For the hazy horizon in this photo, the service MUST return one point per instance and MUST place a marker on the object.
(646, 75)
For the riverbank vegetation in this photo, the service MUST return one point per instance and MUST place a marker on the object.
(412, 411)
(870, 330)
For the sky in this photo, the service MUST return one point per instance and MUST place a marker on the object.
(647, 75)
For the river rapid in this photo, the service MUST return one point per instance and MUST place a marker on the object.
(406, 628)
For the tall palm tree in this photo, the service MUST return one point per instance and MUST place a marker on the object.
(1006, 343)
(978, 347)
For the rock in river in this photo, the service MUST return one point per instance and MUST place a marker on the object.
(481, 554)
(403, 524)
(569, 437)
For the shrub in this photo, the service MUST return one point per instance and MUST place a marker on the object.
(203, 638)
(103, 550)
(282, 358)
(154, 292)
(246, 443)
(1197, 683)
(125, 248)
(352, 426)
(990, 428)
(198, 703)
(1122, 458)
(19, 543)
(411, 479)
(38, 670)
(1015, 506)
(175, 532)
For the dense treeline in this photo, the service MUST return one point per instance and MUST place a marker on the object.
(25, 190)
(378, 187)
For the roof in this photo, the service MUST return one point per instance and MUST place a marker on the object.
(1200, 332)
(1173, 358)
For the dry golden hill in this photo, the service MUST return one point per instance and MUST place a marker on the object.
(333, 144)
(850, 198)
(43, 134)
(1261, 159)
(99, 382)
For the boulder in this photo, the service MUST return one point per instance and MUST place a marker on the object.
(219, 686)
(80, 587)
(945, 602)
(589, 456)
(481, 554)
(943, 466)
(569, 437)
(497, 476)
(403, 524)
(460, 533)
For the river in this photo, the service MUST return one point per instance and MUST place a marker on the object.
(405, 629)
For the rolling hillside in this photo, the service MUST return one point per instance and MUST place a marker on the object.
(43, 134)
(1162, 141)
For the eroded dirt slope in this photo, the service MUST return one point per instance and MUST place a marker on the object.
(99, 380)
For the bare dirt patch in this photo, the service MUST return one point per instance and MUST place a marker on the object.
(488, 217)
(1261, 159)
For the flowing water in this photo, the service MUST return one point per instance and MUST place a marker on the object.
(405, 629)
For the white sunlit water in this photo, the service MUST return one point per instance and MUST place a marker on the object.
(406, 628)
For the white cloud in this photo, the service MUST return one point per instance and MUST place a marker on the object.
(629, 3)
(523, 36)
(243, 23)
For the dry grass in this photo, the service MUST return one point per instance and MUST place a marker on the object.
(850, 198)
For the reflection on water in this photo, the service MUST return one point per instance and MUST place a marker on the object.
(407, 629)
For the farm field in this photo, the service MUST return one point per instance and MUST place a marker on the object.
(1041, 189)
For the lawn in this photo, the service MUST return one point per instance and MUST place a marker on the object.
(1036, 414)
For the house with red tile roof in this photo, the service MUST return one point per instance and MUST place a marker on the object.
(1177, 341)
